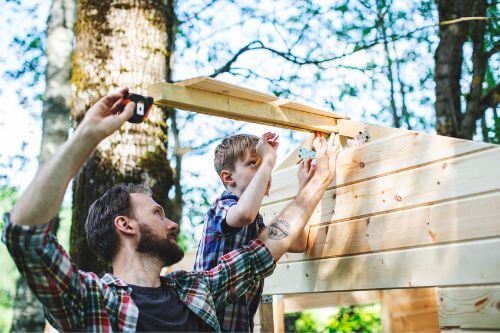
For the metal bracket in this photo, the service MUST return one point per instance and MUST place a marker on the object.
(266, 299)
(305, 153)
(359, 139)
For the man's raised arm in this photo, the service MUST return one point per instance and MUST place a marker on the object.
(41, 200)
(290, 223)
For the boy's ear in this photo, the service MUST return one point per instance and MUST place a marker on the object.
(123, 224)
(227, 178)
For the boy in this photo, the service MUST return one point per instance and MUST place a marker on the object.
(244, 164)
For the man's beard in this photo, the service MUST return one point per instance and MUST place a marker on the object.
(162, 248)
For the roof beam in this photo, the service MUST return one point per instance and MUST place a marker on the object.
(238, 108)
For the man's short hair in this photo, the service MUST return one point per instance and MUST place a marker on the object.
(232, 149)
(100, 224)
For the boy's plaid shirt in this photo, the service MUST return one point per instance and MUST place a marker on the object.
(80, 301)
(215, 242)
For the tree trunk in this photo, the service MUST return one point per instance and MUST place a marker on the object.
(118, 44)
(448, 65)
(28, 313)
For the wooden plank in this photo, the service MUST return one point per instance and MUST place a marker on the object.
(221, 87)
(434, 183)
(351, 128)
(278, 314)
(191, 99)
(420, 322)
(266, 317)
(300, 302)
(470, 307)
(475, 262)
(465, 219)
(381, 157)
(308, 107)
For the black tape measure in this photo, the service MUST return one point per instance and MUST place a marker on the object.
(143, 105)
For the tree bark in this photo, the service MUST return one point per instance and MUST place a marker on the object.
(474, 109)
(448, 65)
(119, 43)
(28, 313)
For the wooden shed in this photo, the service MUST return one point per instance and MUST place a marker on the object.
(412, 220)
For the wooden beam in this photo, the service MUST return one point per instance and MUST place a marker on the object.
(381, 157)
(475, 262)
(224, 88)
(350, 128)
(470, 307)
(300, 302)
(232, 107)
(460, 220)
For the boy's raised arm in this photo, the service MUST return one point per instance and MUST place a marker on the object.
(247, 208)
(41, 200)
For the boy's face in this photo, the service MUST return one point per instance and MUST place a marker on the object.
(244, 171)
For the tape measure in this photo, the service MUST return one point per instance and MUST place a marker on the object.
(143, 105)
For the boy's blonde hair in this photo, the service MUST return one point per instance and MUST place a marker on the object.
(232, 149)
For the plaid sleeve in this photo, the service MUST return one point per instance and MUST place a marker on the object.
(48, 271)
(239, 270)
(219, 216)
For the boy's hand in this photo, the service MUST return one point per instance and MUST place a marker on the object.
(266, 148)
(104, 117)
(305, 172)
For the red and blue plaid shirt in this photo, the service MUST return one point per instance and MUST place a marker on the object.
(216, 241)
(81, 301)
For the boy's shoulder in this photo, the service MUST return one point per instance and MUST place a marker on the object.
(225, 201)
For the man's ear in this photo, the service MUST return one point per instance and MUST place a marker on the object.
(124, 225)
(227, 178)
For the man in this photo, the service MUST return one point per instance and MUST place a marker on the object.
(129, 230)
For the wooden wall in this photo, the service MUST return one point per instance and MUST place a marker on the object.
(407, 209)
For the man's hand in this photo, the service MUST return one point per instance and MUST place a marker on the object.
(104, 117)
(284, 230)
(41, 200)
(266, 148)
(305, 171)
(326, 156)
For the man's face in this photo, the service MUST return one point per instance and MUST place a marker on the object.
(158, 234)
(244, 171)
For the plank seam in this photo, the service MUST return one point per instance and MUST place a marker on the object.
(416, 166)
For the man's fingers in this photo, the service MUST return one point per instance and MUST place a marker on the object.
(312, 170)
(127, 113)
(111, 99)
(117, 107)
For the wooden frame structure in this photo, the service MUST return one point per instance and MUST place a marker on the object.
(406, 210)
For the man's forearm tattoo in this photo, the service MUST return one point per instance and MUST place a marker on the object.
(279, 229)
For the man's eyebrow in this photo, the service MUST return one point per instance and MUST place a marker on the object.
(159, 206)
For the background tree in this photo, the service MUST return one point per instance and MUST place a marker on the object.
(119, 44)
(452, 117)
(55, 44)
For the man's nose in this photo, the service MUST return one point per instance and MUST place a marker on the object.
(172, 225)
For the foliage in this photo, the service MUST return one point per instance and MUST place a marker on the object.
(358, 318)
(8, 196)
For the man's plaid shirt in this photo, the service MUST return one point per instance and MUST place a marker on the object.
(81, 301)
(217, 241)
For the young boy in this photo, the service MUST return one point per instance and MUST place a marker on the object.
(244, 164)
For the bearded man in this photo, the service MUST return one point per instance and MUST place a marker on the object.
(130, 231)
